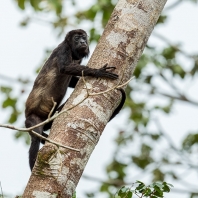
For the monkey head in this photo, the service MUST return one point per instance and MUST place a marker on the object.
(78, 43)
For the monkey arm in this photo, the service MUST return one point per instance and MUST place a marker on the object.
(76, 70)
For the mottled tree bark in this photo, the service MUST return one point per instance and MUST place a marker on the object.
(58, 170)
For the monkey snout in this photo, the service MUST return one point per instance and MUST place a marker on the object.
(83, 44)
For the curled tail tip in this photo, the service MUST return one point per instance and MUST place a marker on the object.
(117, 110)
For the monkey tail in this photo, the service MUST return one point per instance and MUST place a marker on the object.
(33, 120)
(33, 151)
(120, 105)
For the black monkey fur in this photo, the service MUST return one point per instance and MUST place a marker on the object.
(59, 72)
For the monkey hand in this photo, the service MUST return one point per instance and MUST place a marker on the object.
(103, 72)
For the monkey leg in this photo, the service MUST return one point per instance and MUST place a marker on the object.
(49, 124)
(74, 80)
(117, 110)
(33, 120)
(45, 135)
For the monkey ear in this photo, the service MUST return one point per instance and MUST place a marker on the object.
(67, 36)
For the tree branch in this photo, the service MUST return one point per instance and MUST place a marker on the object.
(7, 78)
(128, 33)
(179, 152)
(118, 183)
(175, 47)
(30, 129)
(181, 97)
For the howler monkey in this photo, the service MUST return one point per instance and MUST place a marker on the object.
(59, 72)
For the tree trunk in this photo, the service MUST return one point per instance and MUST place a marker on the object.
(58, 170)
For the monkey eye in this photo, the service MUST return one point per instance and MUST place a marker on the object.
(76, 38)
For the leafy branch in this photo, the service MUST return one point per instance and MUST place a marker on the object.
(154, 190)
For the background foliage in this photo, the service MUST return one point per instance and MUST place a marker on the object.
(138, 143)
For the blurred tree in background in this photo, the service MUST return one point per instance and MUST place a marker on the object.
(139, 151)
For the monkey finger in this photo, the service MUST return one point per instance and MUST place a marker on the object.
(105, 65)
(111, 68)
(111, 75)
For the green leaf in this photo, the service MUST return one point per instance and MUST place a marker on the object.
(104, 187)
(190, 140)
(142, 63)
(13, 117)
(148, 79)
(5, 90)
(166, 188)
(24, 23)
(90, 195)
(9, 102)
(56, 5)
(94, 36)
(35, 4)
(158, 175)
(147, 192)
(25, 136)
(158, 184)
(169, 52)
(158, 192)
(123, 189)
(74, 195)
(155, 136)
(170, 185)
(162, 19)
(142, 161)
(177, 69)
(139, 182)
(117, 167)
(129, 194)
(140, 187)
(21, 4)
(195, 66)
(124, 192)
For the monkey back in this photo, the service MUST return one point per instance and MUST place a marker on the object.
(50, 83)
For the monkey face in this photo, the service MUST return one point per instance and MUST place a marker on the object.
(80, 46)
(80, 42)
(77, 40)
